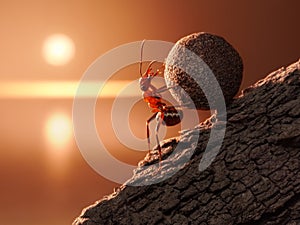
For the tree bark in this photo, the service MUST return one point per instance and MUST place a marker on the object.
(254, 179)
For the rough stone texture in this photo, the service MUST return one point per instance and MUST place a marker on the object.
(219, 58)
(254, 180)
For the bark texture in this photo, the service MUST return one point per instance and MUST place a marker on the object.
(254, 179)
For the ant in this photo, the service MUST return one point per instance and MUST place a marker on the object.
(164, 114)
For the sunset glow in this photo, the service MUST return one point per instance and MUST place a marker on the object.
(62, 89)
(58, 132)
(48, 48)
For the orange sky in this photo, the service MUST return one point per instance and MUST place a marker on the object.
(37, 186)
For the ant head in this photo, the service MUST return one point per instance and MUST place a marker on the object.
(145, 82)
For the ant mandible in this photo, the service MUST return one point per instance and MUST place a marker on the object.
(164, 114)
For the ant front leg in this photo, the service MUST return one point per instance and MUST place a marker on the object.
(163, 89)
(148, 132)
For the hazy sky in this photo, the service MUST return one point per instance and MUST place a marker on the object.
(43, 184)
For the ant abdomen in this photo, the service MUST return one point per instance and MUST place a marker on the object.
(172, 116)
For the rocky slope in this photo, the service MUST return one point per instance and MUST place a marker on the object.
(254, 179)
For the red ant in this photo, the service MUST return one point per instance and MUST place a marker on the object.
(166, 115)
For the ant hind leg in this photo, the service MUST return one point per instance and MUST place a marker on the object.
(159, 118)
(148, 132)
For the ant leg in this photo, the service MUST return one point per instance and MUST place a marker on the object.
(163, 89)
(159, 119)
(148, 132)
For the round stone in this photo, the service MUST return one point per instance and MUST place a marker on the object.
(218, 61)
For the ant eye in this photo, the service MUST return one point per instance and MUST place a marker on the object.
(144, 88)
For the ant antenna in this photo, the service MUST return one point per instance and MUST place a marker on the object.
(141, 60)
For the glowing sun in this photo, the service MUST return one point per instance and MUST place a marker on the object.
(58, 49)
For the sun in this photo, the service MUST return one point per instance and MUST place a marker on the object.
(58, 49)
